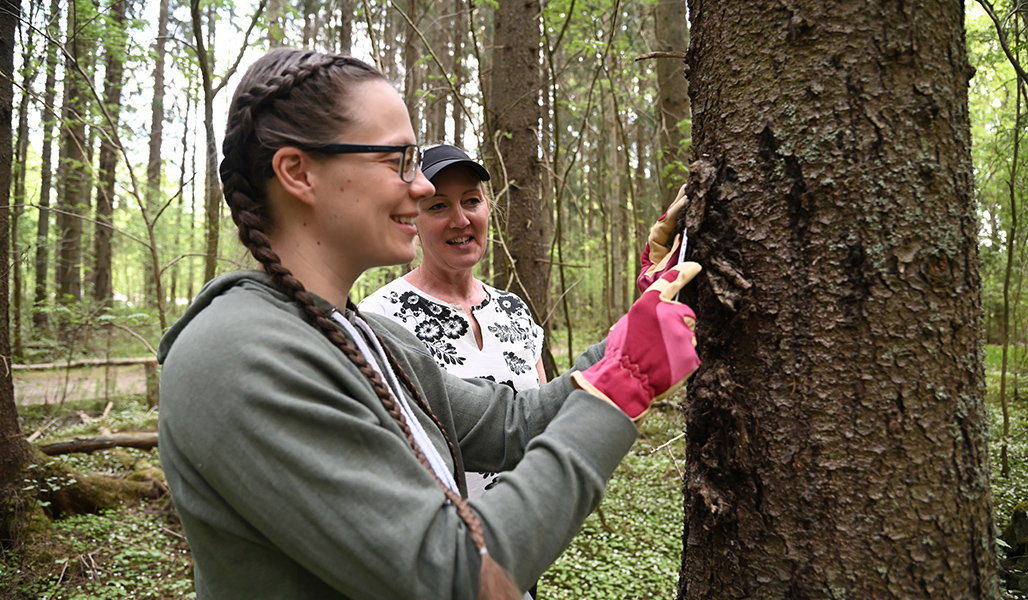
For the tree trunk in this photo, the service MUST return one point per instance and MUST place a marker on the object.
(30, 68)
(74, 169)
(41, 264)
(1012, 237)
(13, 448)
(154, 159)
(673, 114)
(276, 23)
(212, 189)
(515, 115)
(460, 18)
(102, 272)
(411, 53)
(345, 26)
(837, 428)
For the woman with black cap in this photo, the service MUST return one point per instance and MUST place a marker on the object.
(472, 329)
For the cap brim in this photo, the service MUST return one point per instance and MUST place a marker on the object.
(433, 169)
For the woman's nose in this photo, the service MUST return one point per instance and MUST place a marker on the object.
(458, 219)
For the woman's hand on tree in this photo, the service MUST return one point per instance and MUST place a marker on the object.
(651, 351)
(660, 248)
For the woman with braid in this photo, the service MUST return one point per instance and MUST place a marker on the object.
(314, 453)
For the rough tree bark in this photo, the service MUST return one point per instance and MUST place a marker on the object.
(837, 428)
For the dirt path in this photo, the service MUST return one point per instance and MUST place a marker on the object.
(86, 383)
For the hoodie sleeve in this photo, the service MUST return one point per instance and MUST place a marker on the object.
(293, 481)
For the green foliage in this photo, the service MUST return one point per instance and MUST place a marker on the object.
(125, 553)
(631, 547)
(89, 329)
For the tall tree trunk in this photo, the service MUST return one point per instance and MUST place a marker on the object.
(345, 26)
(515, 116)
(30, 69)
(276, 22)
(837, 428)
(1012, 237)
(182, 182)
(102, 272)
(439, 35)
(460, 29)
(673, 114)
(13, 448)
(411, 52)
(154, 162)
(74, 169)
(41, 263)
(212, 189)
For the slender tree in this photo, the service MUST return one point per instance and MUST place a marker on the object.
(345, 12)
(205, 63)
(673, 113)
(41, 262)
(30, 69)
(837, 428)
(114, 45)
(513, 126)
(75, 165)
(154, 162)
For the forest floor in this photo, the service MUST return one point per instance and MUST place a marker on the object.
(54, 386)
(138, 550)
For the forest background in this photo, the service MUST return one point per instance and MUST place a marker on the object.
(116, 217)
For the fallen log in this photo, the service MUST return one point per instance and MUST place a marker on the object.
(143, 441)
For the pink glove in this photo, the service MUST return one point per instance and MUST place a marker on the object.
(650, 351)
(658, 253)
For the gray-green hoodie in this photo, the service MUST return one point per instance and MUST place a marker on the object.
(293, 482)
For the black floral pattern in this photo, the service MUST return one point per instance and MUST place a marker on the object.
(444, 329)
(516, 363)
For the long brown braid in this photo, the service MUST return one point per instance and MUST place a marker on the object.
(282, 101)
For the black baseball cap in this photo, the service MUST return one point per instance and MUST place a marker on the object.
(439, 157)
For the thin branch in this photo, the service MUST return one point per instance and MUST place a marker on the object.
(650, 55)
(449, 80)
(242, 49)
(1022, 76)
(371, 35)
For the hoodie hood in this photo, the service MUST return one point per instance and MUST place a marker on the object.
(257, 281)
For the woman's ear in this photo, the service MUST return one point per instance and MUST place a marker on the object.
(292, 171)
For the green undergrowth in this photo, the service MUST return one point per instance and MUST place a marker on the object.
(130, 552)
(632, 546)
(52, 422)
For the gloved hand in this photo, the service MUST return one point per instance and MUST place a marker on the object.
(650, 351)
(658, 252)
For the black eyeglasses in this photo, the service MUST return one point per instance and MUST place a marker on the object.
(410, 155)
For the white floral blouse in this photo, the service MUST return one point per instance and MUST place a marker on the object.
(511, 341)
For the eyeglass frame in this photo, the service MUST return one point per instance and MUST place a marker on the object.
(370, 149)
